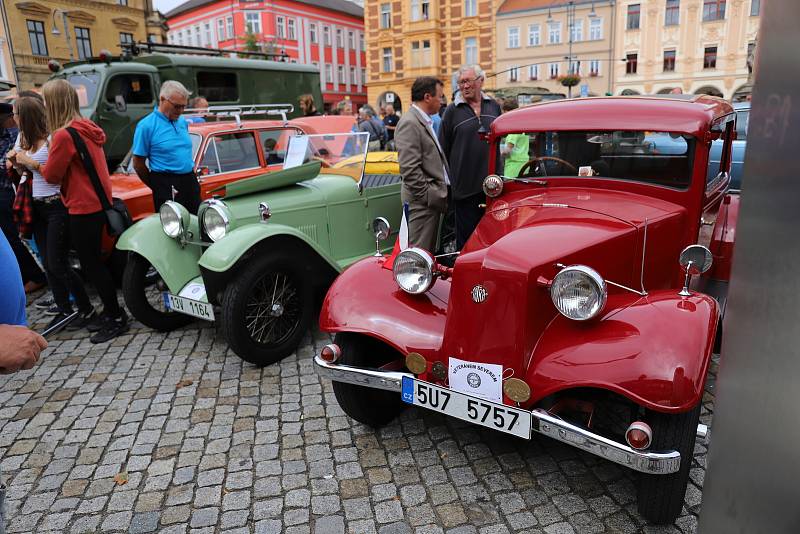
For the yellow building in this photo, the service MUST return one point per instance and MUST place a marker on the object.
(699, 46)
(540, 40)
(66, 30)
(411, 38)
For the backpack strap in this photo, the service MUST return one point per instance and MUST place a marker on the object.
(88, 164)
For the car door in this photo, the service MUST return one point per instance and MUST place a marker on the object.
(127, 98)
(228, 156)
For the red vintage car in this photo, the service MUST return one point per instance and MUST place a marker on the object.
(574, 310)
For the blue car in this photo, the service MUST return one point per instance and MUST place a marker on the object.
(739, 145)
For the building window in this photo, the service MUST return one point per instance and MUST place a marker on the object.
(280, 28)
(351, 40)
(631, 62)
(291, 32)
(470, 50)
(751, 48)
(328, 73)
(388, 64)
(553, 70)
(312, 33)
(326, 35)
(361, 44)
(125, 39)
(339, 38)
(669, 60)
(386, 15)
(672, 13)
(634, 10)
(363, 75)
(594, 67)
(84, 43)
(713, 10)
(229, 24)
(220, 30)
(420, 54)
(710, 57)
(755, 8)
(420, 10)
(576, 32)
(513, 37)
(533, 72)
(122, 2)
(470, 8)
(534, 35)
(596, 29)
(353, 76)
(197, 40)
(554, 32)
(513, 74)
(37, 38)
(208, 36)
(253, 22)
(340, 72)
(575, 67)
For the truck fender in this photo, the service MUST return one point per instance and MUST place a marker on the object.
(655, 350)
(366, 295)
(175, 263)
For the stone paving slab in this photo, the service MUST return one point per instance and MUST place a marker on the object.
(173, 433)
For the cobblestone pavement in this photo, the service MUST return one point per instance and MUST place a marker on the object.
(209, 443)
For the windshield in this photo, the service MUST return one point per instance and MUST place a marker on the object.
(86, 84)
(127, 163)
(659, 158)
(344, 154)
(742, 118)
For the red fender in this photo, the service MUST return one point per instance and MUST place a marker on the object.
(366, 299)
(654, 350)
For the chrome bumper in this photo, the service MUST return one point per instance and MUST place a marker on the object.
(542, 422)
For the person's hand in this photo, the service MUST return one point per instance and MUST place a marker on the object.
(26, 161)
(20, 348)
(11, 156)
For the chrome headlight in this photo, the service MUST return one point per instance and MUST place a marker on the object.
(578, 292)
(216, 221)
(174, 218)
(413, 270)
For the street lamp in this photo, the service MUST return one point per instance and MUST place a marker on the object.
(55, 31)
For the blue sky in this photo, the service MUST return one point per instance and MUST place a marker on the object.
(166, 5)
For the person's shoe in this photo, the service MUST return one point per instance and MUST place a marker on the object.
(52, 310)
(31, 286)
(60, 317)
(45, 302)
(86, 319)
(112, 327)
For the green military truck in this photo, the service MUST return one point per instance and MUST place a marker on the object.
(116, 92)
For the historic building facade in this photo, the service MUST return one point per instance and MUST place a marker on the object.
(328, 34)
(67, 30)
(697, 46)
(6, 59)
(411, 38)
(539, 41)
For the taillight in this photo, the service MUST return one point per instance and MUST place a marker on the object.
(330, 353)
(639, 435)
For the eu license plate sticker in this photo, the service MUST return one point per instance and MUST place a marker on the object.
(466, 407)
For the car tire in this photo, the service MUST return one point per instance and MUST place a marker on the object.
(373, 407)
(272, 280)
(661, 496)
(137, 286)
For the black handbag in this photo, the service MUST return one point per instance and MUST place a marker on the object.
(117, 217)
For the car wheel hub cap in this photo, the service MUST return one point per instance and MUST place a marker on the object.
(277, 310)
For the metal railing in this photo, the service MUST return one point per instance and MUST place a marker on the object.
(236, 112)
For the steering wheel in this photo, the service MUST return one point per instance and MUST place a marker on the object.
(528, 166)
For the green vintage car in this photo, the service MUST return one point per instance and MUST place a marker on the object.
(256, 257)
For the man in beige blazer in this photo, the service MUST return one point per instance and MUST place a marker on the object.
(422, 164)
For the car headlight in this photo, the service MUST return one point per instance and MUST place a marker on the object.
(174, 218)
(413, 270)
(578, 292)
(216, 221)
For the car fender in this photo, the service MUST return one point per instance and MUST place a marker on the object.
(365, 299)
(175, 263)
(654, 350)
(223, 255)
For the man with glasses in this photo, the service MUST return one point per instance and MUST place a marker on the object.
(467, 154)
(162, 137)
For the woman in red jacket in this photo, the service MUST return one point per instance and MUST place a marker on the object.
(86, 216)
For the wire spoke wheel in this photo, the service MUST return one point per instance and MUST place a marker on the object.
(142, 288)
(273, 310)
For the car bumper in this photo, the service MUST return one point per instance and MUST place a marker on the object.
(541, 422)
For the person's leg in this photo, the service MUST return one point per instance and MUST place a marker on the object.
(468, 215)
(161, 190)
(188, 192)
(27, 265)
(86, 232)
(58, 244)
(423, 227)
(41, 221)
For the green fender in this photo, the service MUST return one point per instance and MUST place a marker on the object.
(176, 264)
(224, 254)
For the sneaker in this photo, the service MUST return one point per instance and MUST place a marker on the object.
(88, 320)
(112, 327)
(61, 317)
(45, 303)
(53, 309)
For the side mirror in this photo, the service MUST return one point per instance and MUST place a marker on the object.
(381, 228)
(120, 104)
(694, 259)
(203, 171)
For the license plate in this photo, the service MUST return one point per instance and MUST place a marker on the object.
(466, 407)
(195, 308)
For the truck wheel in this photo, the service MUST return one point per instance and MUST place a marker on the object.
(661, 496)
(141, 289)
(373, 407)
(267, 308)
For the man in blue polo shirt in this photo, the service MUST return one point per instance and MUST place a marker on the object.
(162, 137)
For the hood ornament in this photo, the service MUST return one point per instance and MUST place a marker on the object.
(479, 294)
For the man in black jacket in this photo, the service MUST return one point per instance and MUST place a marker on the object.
(467, 155)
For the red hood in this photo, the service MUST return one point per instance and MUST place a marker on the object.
(89, 131)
